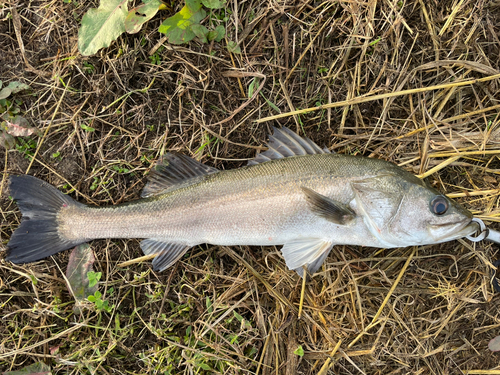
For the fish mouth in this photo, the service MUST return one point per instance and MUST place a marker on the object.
(457, 229)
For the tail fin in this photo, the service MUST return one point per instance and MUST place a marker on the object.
(37, 237)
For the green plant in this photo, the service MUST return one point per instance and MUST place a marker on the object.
(105, 24)
(87, 128)
(299, 351)
(100, 304)
(26, 147)
(93, 277)
(11, 123)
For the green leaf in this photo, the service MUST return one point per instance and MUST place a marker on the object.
(217, 34)
(87, 128)
(204, 366)
(93, 278)
(101, 26)
(251, 86)
(238, 316)
(80, 265)
(138, 16)
(221, 32)
(18, 86)
(178, 27)
(209, 305)
(201, 32)
(299, 351)
(233, 47)
(5, 92)
(213, 4)
(272, 105)
(193, 5)
(13, 88)
(38, 368)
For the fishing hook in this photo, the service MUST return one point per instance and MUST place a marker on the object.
(493, 236)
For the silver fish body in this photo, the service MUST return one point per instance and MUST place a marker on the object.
(306, 200)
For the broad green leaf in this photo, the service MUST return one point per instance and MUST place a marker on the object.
(217, 34)
(193, 5)
(178, 27)
(18, 86)
(5, 92)
(138, 16)
(38, 368)
(101, 26)
(201, 32)
(233, 47)
(213, 4)
(299, 351)
(12, 88)
(80, 264)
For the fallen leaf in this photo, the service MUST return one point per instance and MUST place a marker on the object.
(178, 27)
(81, 262)
(138, 16)
(17, 126)
(6, 140)
(494, 345)
(101, 26)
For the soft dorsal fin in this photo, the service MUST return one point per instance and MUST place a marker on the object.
(284, 143)
(172, 169)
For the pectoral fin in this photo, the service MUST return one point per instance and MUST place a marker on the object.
(168, 253)
(328, 208)
(308, 252)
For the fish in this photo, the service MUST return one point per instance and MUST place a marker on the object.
(295, 194)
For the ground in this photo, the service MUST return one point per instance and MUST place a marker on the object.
(383, 79)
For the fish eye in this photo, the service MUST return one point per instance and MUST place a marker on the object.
(439, 205)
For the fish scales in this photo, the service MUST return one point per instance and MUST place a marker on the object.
(245, 206)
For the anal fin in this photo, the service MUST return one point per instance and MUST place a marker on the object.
(168, 252)
(308, 252)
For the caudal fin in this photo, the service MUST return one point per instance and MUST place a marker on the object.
(37, 237)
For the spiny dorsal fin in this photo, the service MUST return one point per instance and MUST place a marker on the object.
(328, 208)
(285, 143)
(173, 169)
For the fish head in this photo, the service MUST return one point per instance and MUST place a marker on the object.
(404, 211)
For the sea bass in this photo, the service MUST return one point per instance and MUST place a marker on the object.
(294, 194)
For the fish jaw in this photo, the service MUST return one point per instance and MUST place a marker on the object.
(455, 231)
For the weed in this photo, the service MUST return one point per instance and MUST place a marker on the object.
(56, 155)
(93, 277)
(100, 304)
(26, 147)
(88, 67)
(105, 24)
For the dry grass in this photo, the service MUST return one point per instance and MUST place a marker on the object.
(414, 82)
